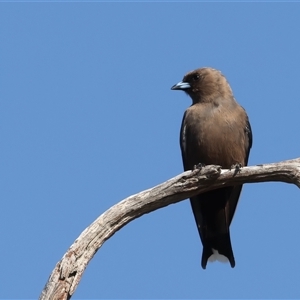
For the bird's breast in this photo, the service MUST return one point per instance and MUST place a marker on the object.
(213, 136)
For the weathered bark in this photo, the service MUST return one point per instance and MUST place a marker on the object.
(68, 271)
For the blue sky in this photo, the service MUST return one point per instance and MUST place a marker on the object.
(87, 118)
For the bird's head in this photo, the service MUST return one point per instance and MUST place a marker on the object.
(204, 85)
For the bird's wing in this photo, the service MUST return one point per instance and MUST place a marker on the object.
(183, 145)
(249, 139)
(235, 193)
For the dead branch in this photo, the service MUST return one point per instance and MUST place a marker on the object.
(67, 273)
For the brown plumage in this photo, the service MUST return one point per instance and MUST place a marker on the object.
(215, 130)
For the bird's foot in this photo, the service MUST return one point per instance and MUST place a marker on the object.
(198, 167)
(237, 168)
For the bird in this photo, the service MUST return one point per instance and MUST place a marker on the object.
(216, 130)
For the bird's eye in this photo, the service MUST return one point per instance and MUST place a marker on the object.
(196, 77)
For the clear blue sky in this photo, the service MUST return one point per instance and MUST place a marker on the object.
(88, 118)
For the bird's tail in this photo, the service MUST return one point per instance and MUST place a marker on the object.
(213, 213)
(217, 248)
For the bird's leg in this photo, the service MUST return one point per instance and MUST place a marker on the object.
(237, 168)
(198, 167)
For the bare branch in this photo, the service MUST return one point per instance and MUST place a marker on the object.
(68, 271)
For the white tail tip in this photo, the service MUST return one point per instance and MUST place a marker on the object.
(216, 256)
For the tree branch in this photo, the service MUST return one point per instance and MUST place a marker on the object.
(68, 271)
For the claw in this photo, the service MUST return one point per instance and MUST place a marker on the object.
(198, 167)
(237, 168)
